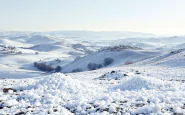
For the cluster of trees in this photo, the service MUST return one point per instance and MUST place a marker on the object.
(58, 68)
(11, 47)
(36, 53)
(58, 60)
(94, 66)
(76, 70)
(44, 67)
(108, 61)
(177, 51)
(11, 50)
(120, 47)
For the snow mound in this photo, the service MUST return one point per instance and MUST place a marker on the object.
(57, 81)
(116, 75)
(142, 82)
(57, 92)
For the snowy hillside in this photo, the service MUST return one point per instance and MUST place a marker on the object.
(22, 51)
(136, 92)
(179, 46)
(71, 73)
(163, 43)
(174, 58)
(120, 57)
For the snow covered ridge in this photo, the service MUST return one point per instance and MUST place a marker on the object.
(61, 94)
(174, 58)
(119, 48)
(120, 57)
(21, 51)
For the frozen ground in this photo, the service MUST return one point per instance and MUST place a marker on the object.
(120, 90)
(153, 85)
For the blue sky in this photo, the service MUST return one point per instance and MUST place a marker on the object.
(153, 16)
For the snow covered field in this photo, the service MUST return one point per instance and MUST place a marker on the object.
(120, 90)
(154, 83)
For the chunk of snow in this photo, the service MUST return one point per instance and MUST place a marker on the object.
(10, 102)
(141, 82)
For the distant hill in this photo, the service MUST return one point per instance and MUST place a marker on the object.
(120, 57)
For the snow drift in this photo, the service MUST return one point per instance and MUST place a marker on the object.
(142, 82)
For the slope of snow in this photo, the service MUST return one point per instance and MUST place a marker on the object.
(159, 40)
(72, 94)
(179, 46)
(154, 84)
(174, 58)
(7, 42)
(45, 47)
(39, 39)
(27, 58)
(120, 57)
(163, 43)
(95, 35)
(7, 72)
(135, 44)
(33, 48)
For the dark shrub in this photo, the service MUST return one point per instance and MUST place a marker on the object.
(107, 61)
(113, 72)
(77, 58)
(43, 66)
(94, 66)
(58, 60)
(19, 52)
(99, 66)
(91, 66)
(76, 70)
(58, 69)
(35, 64)
(172, 52)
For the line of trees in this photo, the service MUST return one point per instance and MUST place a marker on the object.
(44, 67)
(94, 66)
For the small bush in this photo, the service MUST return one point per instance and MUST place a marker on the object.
(108, 61)
(35, 64)
(11, 47)
(91, 66)
(76, 70)
(94, 66)
(77, 58)
(58, 69)
(172, 52)
(99, 66)
(19, 52)
(58, 60)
